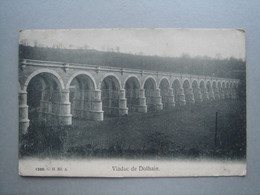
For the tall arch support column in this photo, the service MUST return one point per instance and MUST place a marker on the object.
(216, 93)
(189, 96)
(197, 95)
(142, 101)
(227, 93)
(123, 110)
(96, 112)
(65, 118)
(181, 97)
(23, 112)
(211, 94)
(158, 99)
(205, 95)
(171, 102)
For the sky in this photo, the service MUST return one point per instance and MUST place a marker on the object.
(220, 43)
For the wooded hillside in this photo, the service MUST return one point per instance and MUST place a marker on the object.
(231, 67)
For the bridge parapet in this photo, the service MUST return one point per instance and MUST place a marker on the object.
(122, 71)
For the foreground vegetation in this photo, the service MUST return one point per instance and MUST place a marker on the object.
(187, 131)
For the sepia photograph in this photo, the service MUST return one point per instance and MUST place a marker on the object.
(132, 102)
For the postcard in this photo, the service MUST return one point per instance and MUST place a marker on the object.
(132, 102)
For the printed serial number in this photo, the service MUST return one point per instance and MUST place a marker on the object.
(50, 169)
(39, 169)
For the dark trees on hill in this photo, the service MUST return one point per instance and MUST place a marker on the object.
(231, 67)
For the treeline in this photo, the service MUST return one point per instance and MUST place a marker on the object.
(230, 67)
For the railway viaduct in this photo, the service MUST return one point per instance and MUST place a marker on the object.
(59, 92)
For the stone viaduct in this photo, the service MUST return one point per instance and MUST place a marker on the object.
(59, 92)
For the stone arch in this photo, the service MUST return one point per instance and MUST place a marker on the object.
(152, 79)
(188, 91)
(203, 89)
(186, 83)
(214, 84)
(164, 86)
(196, 91)
(227, 84)
(227, 90)
(57, 77)
(176, 85)
(44, 96)
(194, 81)
(194, 84)
(210, 90)
(110, 89)
(223, 84)
(202, 84)
(132, 76)
(176, 81)
(110, 75)
(132, 91)
(208, 85)
(219, 85)
(215, 89)
(82, 94)
(163, 79)
(149, 87)
(81, 73)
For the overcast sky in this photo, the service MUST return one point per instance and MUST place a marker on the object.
(162, 42)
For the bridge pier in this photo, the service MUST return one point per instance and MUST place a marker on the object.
(170, 102)
(205, 95)
(211, 94)
(157, 99)
(142, 101)
(123, 110)
(181, 97)
(65, 117)
(227, 93)
(197, 95)
(189, 96)
(216, 93)
(23, 112)
(222, 93)
(96, 111)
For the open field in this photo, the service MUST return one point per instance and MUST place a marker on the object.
(184, 131)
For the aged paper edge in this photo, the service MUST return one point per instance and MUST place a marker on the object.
(130, 168)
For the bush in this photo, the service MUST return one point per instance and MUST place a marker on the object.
(43, 140)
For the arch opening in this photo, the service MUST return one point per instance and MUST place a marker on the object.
(194, 84)
(210, 91)
(196, 91)
(208, 86)
(176, 85)
(110, 89)
(132, 88)
(186, 87)
(219, 85)
(204, 91)
(188, 91)
(82, 95)
(164, 91)
(149, 87)
(43, 99)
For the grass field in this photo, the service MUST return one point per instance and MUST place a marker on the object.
(184, 131)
